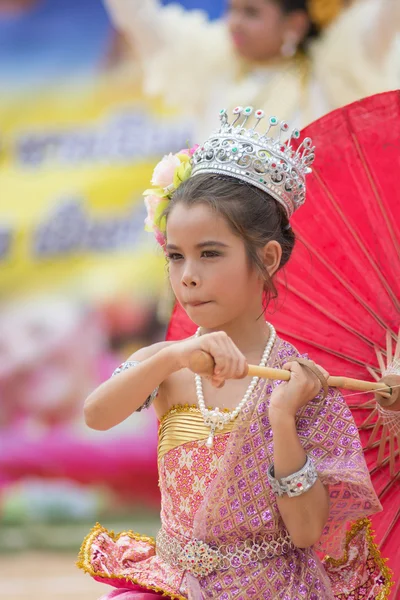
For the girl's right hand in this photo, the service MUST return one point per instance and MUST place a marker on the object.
(229, 361)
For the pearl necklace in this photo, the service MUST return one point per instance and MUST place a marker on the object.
(216, 419)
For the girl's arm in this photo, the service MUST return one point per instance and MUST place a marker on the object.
(141, 21)
(120, 396)
(381, 32)
(178, 50)
(304, 516)
(114, 400)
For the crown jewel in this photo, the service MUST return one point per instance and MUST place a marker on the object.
(266, 160)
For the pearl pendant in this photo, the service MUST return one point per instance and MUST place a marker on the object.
(214, 419)
(210, 441)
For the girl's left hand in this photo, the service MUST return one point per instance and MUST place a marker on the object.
(288, 397)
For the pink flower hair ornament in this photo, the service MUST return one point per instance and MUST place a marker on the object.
(168, 175)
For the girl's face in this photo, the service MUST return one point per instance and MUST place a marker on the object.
(258, 28)
(209, 269)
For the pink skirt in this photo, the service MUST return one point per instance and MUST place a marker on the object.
(133, 594)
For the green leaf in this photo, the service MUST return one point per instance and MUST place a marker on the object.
(160, 222)
(182, 173)
(156, 191)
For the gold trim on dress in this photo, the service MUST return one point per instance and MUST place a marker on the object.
(183, 424)
(188, 408)
(84, 557)
(374, 551)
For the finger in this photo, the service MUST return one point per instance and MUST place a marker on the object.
(299, 369)
(238, 368)
(287, 366)
(243, 368)
(221, 359)
(217, 382)
(323, 371)
(320, 368)
(221, 344)
(232, 357)
(295, 368)
(303, 377)
(231, 367)
(224, 368)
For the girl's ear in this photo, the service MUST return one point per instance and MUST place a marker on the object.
(271, 256)
(296, 26)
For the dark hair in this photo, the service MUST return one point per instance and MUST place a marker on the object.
(252, 215)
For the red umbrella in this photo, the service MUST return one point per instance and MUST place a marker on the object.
(339, 298)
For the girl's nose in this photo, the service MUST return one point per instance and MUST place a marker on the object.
(190, 280)
(234, 21)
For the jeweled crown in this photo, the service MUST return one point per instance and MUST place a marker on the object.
(266, 160)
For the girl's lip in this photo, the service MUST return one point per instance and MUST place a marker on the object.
(197, 303)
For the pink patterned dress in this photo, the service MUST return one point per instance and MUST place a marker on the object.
(222, 535)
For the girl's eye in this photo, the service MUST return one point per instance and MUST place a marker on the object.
(251, 12)
(174, 256)
(210, 254)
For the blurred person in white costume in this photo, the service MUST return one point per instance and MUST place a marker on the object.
(298, 59)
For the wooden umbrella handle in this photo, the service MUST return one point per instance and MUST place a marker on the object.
(203, 363)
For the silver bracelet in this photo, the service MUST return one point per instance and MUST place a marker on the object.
(296, 484)
(133, 363)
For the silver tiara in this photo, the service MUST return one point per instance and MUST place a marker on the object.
(266, 160)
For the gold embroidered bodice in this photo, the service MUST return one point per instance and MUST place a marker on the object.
(182, 424)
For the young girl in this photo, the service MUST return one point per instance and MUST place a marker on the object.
(258, 479)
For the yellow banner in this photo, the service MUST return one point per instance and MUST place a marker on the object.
(73, 165)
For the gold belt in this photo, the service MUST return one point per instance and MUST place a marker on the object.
(201, 558)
